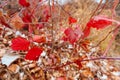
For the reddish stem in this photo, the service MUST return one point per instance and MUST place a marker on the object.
(111, 41)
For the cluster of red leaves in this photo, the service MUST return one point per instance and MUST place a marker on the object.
(20, 43)
(71, 34)
(98, 22)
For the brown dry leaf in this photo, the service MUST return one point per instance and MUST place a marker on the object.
(16, 22)
(13, 67)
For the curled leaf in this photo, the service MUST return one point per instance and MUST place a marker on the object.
(20, 43)
(34, 53)
(72, 20)
(99, 22)
(39, 39)
(24, 3)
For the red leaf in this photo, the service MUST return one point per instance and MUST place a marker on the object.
(27, 18)
(72, 35)
(3, 22)
(24, 3)
(20, 43)
(39, 39)
(78, 62)
(34, 53)
(40, 25)
(99, 22)
(72, 20)
(47, 18)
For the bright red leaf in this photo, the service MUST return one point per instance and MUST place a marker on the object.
(99, 22)
(26, 18)
(34, 53)
(72, 20)
(24, 3)
(20, 43)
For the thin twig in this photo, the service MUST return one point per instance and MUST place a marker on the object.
(104, 6)
(91, 59)
(26, 72)
(106, 58)
(111, 41)
(63, 8)
(96, 9)
(106, 36)
(52, 25)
